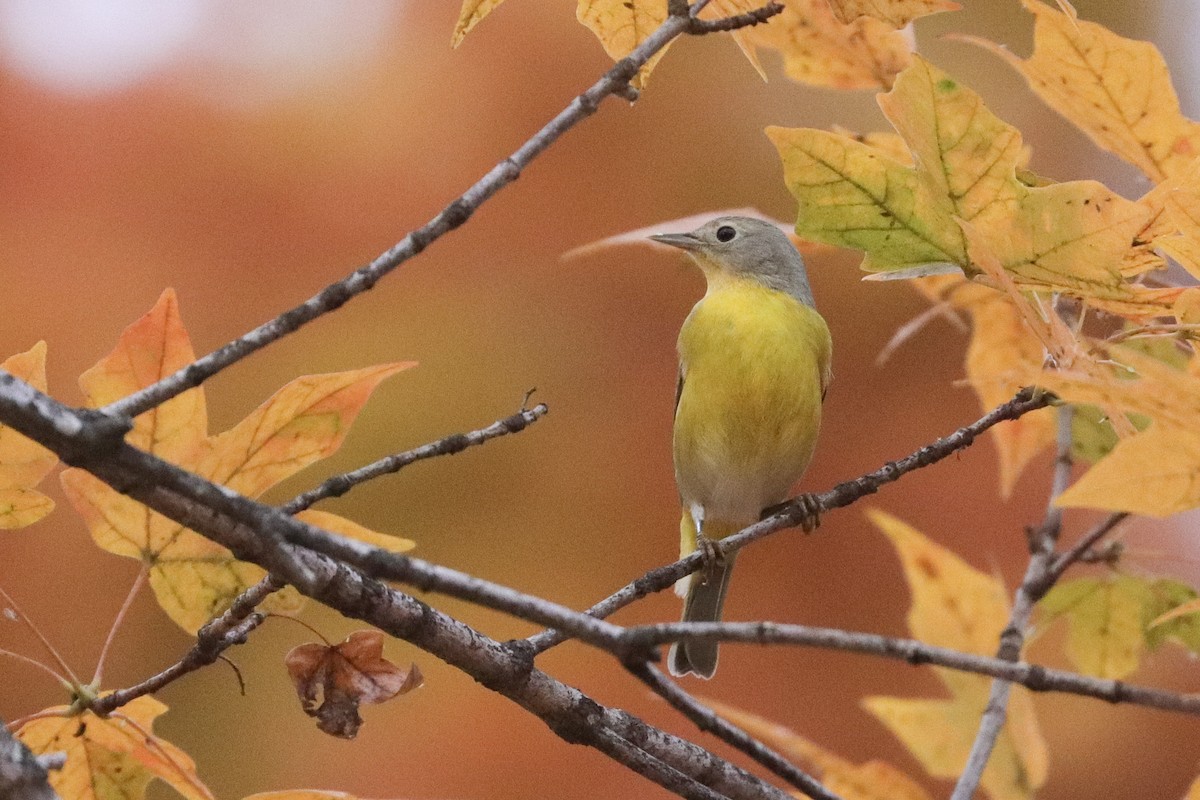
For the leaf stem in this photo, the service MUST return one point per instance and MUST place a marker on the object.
(138, 583)
(73, 679)
(1033, 587)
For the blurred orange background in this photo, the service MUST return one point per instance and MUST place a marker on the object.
(249, 154)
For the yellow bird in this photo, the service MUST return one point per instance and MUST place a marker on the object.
(754, 364)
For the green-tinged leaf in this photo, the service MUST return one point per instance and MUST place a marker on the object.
(1175, 615)
(1069, 237)
(1106, 617)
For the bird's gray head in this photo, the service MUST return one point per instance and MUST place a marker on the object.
(746, 247)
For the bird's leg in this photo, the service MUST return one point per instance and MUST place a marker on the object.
(712, 554)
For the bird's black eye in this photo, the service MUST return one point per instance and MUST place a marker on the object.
(725, 233)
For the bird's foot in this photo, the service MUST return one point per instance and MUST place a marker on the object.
(804, 510)
(713, 556)
(807, 511)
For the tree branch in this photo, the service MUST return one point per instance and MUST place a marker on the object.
(1034, 585)
(708, 720)
(338, 485)
(699, 27)
(234, 626)
(1083, 546)
(800, 510)
(1032, 676)
(615, 81)
(259, 534)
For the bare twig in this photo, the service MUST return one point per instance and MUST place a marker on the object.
(212, 641)
(338, 485)
(615, 81)
(797, 511)
(708, 720)
(699, 27)
(1032, 676)
(1085, 544)
(1033, 586)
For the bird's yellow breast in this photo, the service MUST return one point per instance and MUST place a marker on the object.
(754, 364)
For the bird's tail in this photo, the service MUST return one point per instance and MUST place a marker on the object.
(704, 600)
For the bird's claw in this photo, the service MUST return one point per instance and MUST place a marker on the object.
(712, 555)
(808, 509)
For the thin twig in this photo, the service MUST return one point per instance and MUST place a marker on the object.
(1034, 585)
(699, 27)
(338, 485)
(798, 511)
(212, 640)
(708, 720)
(615, 81)
(1085, 544)
(1032, 676)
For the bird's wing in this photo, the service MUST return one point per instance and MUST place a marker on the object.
(678, 389)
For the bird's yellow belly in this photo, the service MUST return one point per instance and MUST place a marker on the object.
(749, 409)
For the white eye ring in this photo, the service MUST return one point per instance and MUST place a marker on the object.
(725, 233)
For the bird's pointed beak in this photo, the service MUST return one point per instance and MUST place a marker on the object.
(684, 241)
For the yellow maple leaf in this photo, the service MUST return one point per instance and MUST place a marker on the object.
(1000, 354)
(1068, 237)
(621, 25)
(819, 49)
(114, 757)
(955, 605)
(896, 13)
(1178, 235)
(473, 11)
(873, 780)
(1194, 791)
(1001, 351)
(1152, 472)
(192, 577)
(1116, 90)
(352, 530)
(23, 462)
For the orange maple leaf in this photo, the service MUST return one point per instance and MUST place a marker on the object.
(193, 578)
(23, 462)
